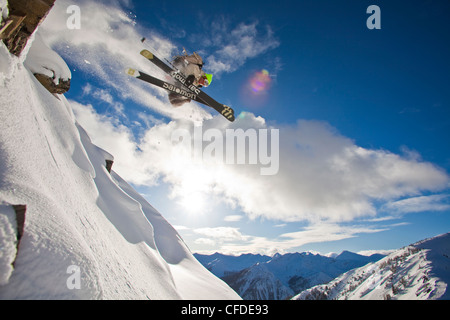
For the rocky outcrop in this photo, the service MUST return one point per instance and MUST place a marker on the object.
(48, 82)
(24, 17)
(20, 211)
(109, 164)
(48, 67)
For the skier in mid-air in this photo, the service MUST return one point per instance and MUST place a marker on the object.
(191, 67)
(186, 71)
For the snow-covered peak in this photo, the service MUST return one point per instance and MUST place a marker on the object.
(347, 255)
(258, 283)
(276, 256)
(221, 264)
(419, 271)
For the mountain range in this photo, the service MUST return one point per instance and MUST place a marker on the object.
(260, 277)
(420, 271)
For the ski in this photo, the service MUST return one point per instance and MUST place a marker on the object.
(201, 96)
(162, 84)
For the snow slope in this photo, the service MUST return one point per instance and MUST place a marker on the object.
(417, 272)
(81, 221)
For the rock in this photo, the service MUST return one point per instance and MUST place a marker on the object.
(62, 87)
(24, 17)
(109, 164)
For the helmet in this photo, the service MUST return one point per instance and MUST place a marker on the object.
(208, 78)
(205, 80)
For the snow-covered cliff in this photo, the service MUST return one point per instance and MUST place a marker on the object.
(87, 233)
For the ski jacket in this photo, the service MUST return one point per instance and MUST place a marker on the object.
(194, 59)
(190, 65)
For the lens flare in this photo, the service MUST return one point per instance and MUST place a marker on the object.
(260, 81)
(255, 92)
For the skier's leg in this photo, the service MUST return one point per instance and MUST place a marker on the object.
(190, 80)
(177, 100)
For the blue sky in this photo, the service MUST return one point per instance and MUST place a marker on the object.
(363, 116)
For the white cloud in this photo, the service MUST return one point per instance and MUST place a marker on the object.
(238, 45)
(221, 233)
(438, 202)
(323, 176)
(205, 241)
(383, 218)
(371, 252)
(281, 225)
(288, 242)
(233, 218)
(325, 232)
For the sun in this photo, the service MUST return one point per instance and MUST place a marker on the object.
(193, 190)
(194, 202)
